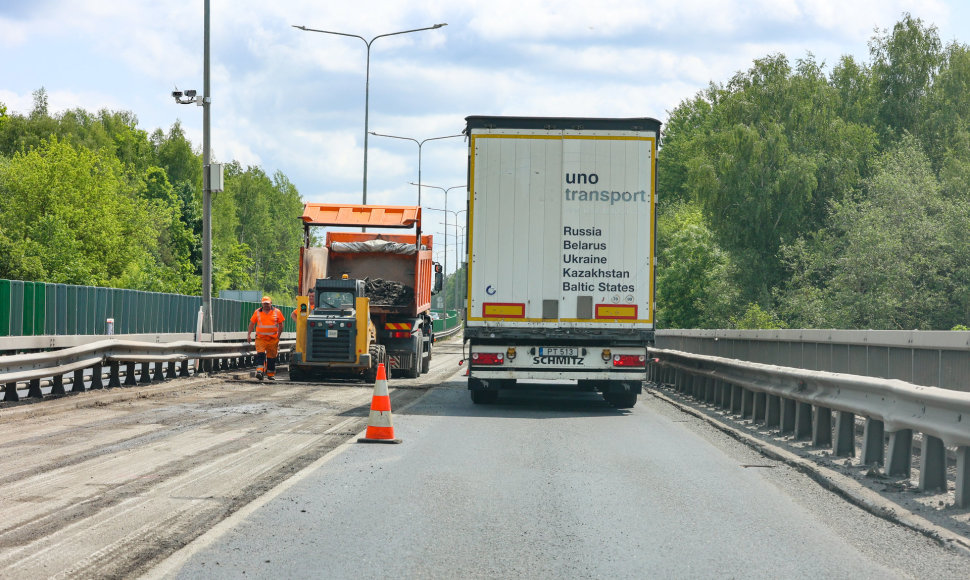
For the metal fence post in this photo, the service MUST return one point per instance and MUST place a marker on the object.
(963, 477)
(803, 420)
(873, 444)
(10, 393)
(822, 427)
(772, 411)
(130, 375)
(900, 453)
(932, 464)
(77, 385)
(844, 442)
(786, 423)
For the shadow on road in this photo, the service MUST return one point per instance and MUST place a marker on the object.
(452, 399)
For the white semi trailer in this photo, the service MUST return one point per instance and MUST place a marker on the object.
(560, 253)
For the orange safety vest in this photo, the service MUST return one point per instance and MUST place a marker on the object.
(267, 323)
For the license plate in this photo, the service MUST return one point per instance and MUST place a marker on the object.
(557, 351)
(331, 333)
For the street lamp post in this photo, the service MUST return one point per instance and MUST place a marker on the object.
(458, 246)
(419, 144)
(462, 246)
(208, 171)
(367, 79)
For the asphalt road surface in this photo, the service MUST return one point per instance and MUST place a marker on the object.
(222, 478)
(560, 486)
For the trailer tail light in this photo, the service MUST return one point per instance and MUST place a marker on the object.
(488, 358)
(630, 360)
(401, 334)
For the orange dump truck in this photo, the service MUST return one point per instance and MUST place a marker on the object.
(364, 298)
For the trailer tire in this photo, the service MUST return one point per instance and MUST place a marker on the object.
(626, 400)
(484, 397)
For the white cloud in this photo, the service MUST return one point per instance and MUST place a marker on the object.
(293, 101)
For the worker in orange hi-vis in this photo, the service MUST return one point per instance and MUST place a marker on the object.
(267, 321)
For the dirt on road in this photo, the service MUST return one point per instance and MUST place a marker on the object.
(108, 483)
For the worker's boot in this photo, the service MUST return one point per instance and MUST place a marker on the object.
(271, 368)
(260, 364)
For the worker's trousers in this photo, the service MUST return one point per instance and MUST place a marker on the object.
(266, 350)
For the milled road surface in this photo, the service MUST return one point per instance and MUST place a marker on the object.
(107, 484)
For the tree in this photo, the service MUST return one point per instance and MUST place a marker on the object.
(755, 194)
(944, 120)
(755, 318)
(853, 83)
(266, 221)
(694, 288)
(69, 216)
(894, 256)
(904, 63)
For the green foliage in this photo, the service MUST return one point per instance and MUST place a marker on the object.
(904, 63)
(694, 287)
(259, 219)
(70, 216)
(755, 318)
(454, 299)
(92, 199)
(893, 257)
(763, 156)
(837, 200)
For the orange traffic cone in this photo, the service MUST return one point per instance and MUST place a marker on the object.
(380, 426)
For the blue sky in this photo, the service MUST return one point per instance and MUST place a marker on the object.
(293, 101)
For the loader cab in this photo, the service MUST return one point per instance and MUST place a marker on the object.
(332, 326)
(336, 296)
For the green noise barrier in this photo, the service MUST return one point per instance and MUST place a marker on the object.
(43, 309)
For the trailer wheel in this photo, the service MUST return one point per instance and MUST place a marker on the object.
(625, 400)
(484, 397)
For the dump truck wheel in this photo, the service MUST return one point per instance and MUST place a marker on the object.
(425, 363)
(415, 370)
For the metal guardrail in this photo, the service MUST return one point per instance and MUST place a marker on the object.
(823, 405)
(88, 363)
(449, 332)
(50, 342)
(931, 358)
(101, 360)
